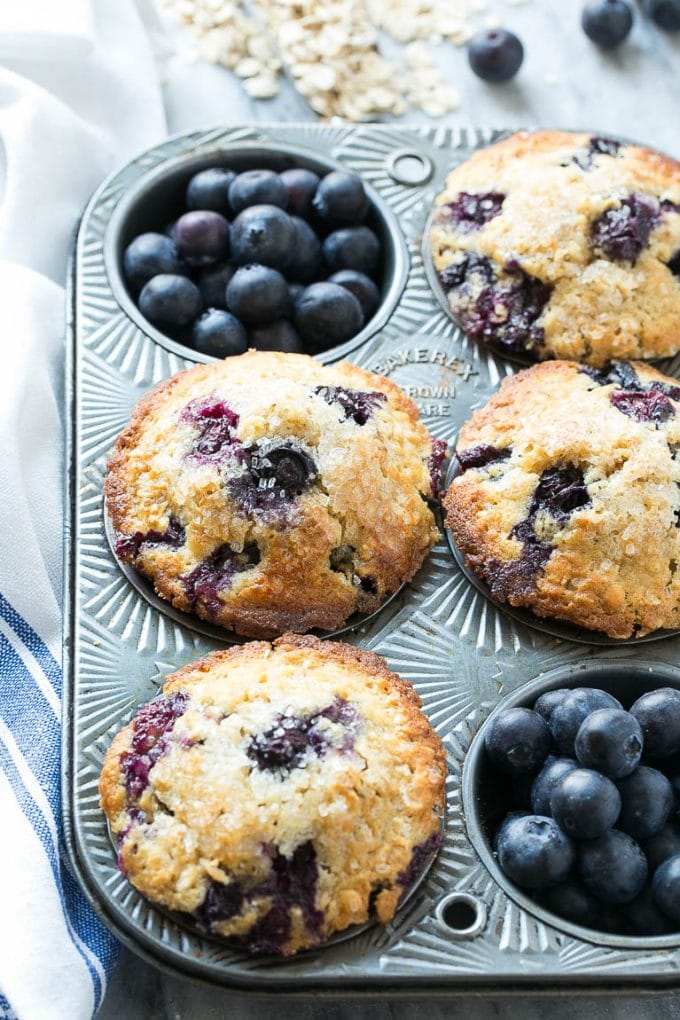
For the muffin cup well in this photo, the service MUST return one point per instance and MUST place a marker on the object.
(158, 196)
(482, 795)
(556, 628)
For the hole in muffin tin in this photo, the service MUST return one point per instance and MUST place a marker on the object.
(461, 915)
(145, 588)
(555, 628)
(408, 167)
(158, 197)
(484, 797)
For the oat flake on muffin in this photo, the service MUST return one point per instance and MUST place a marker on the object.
(268, 492)
(563, 245)
(277, 794)
(567, 501)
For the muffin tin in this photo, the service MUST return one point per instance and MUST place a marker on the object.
(464, 927)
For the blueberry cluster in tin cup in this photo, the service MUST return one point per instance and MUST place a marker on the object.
(593, 835)
(275, 261)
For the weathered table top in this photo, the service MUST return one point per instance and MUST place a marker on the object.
(565, 82)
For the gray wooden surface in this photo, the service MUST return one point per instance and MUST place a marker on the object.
(565, 82)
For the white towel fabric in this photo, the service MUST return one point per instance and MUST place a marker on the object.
(78, 96)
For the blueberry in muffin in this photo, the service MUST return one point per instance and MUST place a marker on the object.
(560, 244)
(567, 498)
(278, 793)
(269, 492)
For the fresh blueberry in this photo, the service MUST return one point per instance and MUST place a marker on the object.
(219, 334)
(548, 701)
(170, 300)
(305, 262)
(276, 336)
(295, 290)
(212, 284)
(263, 234)
(572, 901)
(665, 13)
(609, 740)
(341, 199)
(209, 189)
(510, 817)
(517, 740)
(257, 187)
(326, 315)
(495, 54)
(150, 255)
(585, 804)
(363, 288)
(643, 917)
(612, 867)
(257, 295)
(202, 237)
(569, 713)
(646, 802)
(301, 185)
(607, 22)
(658, 713)
(554, 770)
(663, 844)
(352, 248)
(534, 852)
(666, 888)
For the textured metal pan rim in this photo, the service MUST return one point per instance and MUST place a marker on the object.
(619, 677)
(248, 154)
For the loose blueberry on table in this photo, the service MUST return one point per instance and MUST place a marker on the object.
(282, 262)
(607, 22)
(592, 834)
(495, 54)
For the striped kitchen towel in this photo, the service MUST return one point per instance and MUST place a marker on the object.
(65, 123)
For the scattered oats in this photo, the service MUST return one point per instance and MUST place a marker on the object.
(264, 86)
(492, 21)
(224, 34)
(330, 48)
(248, 67)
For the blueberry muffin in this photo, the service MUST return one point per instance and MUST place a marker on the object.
(268, 492)
(277, 793)
(567, 499)
(563, 245)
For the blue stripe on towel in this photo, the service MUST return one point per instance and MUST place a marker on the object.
(30, 718)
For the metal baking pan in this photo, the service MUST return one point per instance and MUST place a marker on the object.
(461, 929)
